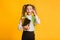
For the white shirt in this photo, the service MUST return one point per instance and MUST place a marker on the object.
(31, 23)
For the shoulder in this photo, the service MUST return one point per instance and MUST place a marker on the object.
(33, 16)
(23, 17)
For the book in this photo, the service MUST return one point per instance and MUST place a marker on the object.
(26, 22)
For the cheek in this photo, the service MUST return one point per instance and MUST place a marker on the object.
(30, 10)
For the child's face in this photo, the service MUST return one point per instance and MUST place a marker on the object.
(29, 9)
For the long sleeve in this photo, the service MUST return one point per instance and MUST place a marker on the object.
(20, 25)
(37, 19)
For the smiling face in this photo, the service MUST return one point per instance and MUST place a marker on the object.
(29, 10)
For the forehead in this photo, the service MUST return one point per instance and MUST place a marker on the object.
(29, 6)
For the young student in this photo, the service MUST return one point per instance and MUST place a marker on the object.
(28, 29)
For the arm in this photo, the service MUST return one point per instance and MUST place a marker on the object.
(37, 19)
(20, 25)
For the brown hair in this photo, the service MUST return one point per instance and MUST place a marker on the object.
(25, 8)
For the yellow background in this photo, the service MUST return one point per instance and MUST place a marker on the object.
(47, 10)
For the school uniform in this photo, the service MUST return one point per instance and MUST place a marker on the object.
(29, 34)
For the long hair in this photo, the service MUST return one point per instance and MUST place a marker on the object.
(25, 8)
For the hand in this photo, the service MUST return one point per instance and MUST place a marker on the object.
(34, 12)
(26, 27)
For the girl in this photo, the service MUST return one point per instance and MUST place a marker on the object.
(27, 12)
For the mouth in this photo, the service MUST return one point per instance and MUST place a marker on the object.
(28, 12)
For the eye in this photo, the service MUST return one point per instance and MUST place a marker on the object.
(30, 8)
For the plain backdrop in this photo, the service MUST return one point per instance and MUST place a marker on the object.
(48, 12)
